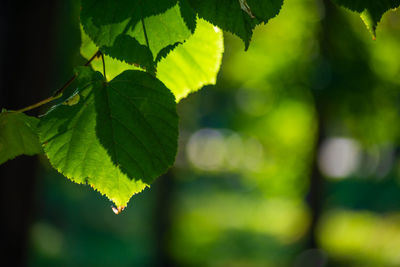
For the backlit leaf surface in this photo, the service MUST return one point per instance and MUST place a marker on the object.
(18, 135)
(93, 141)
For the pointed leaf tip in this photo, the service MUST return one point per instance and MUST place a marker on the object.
(117, 210)
(117, 138)
(137, 124)
(74, 149)
(371, 11)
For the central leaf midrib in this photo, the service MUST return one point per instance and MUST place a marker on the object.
(143, 117)
(108, 111)
(116, 145)
(112, 132)
(73, 131)
(139, 141)
(134, 160)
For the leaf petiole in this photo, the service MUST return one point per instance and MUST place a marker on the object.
(145, 34)
(60, 91)
(104, 66)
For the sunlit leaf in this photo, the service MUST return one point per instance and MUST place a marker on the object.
(186, 69)
(162, 30)
(137, 124)
(109, 140)
(113, 66)
(18, 135)
(195, 63)
(131, 31)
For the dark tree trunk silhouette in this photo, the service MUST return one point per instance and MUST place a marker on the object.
(26, 41)
(315, 195)
(162, 213)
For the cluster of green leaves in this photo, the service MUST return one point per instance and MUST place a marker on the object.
(118, 131)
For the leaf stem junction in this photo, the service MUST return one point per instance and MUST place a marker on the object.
(60, 91)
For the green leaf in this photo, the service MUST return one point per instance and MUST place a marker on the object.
(195, 63)
(237, 17)
(162, 30)
(138, 125)
(69, 138)
(371, 10)
(108, 23)
(81, 140)
(129, 49)
(18, 135)
(186, 69)
(113, 66)
(165, 51)
(110, 11)
(188, 14)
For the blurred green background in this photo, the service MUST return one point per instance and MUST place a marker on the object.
(290, 160)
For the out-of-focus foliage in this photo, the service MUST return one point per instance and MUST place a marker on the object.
(257, 143)
(363, 238)
(274, 101)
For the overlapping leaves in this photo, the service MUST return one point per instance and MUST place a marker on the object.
(113, 25)
(118, 137)
(186, 69)
(239, 17)
(134, 31)
(195, 63)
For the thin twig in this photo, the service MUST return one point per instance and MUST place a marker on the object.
(38, 104)
(59, 92)
(98, 53)
(68, 83)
